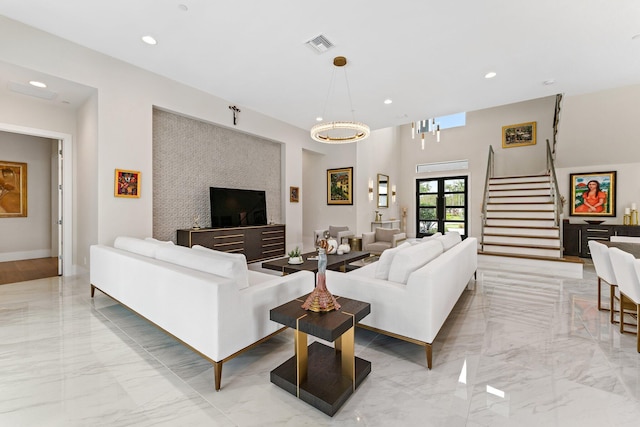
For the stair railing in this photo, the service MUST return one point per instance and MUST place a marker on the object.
(555, 195)
(490, 165)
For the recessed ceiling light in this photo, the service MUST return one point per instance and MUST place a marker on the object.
(388, 101)
(37, 84)
(149, 40)
(490, 75)
(318, 119)
(548, 82)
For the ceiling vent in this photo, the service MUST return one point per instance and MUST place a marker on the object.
(320, 44)
(32, 91)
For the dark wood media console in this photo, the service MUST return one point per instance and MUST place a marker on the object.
(255, 242)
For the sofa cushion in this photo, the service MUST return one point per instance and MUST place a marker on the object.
(333, 231)
(410, 259)
(195, 260)
(449, 240)
(386, 234)
(135, 245)
(384, 263)
(158, 242)
(433, 236)
(240, 269)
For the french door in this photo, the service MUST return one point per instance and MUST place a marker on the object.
(441, 205)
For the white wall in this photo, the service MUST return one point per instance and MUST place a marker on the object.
(471, 142)
(122, 110)
(30, 236)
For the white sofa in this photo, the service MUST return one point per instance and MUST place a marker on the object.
(207, 299)
(412, 288)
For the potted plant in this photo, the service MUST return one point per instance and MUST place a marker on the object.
(295, 257)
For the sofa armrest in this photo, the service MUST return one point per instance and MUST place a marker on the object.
(344, 234)
(397, 239)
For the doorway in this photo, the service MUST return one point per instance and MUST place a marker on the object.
(441, 205)
(61, 179)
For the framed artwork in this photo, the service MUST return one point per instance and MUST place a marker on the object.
(593, 194)
(519, 135)
(294, 194)
(127, 183)
(13, 189)
(340, 186)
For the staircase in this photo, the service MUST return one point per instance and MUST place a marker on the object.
(520, 218)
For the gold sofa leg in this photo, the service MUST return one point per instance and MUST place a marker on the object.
(429, 350)
(217, 369)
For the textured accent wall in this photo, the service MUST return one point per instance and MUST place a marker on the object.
(189, 156)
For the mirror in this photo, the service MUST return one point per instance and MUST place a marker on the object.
(383, 191)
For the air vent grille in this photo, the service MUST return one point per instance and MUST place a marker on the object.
(320, 44)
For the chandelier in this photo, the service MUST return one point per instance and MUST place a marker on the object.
(339, 131)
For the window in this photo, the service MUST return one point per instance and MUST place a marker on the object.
(445, 122)
(441, 205)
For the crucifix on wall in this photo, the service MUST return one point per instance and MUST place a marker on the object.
(235, 110)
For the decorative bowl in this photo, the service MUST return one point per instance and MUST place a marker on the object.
(594, 221)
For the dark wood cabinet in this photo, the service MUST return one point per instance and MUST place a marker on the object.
(256, 242)
(576, 237)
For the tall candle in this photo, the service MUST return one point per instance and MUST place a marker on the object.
(633, 206)
(627, 211)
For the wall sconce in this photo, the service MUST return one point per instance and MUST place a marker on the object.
(370, 190)
(393, 194)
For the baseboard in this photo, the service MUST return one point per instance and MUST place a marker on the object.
(17, 256)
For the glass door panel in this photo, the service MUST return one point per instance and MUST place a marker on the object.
(441, 205)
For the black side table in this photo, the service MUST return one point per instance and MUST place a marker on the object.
(322, 376)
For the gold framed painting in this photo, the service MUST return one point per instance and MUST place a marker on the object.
(593, 194)
(519, 135)
(127, 183)
(340, 186)
(13, 189)
(294, 194)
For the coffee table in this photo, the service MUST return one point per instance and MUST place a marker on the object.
(322, 376)
(334, 262)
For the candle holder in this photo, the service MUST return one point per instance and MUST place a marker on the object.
(626, 219)
(634, 217)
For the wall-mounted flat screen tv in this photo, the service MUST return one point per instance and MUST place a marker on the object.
(232, 207)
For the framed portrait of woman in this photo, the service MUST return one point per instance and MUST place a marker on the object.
(593, 194)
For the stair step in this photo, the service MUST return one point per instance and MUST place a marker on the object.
(522, 236)
(522, 250)
(571, 259)
(510, 199)
(520, 222)
(520, 193)
(519, 179)
(523, 231)
(527, 241)
(500, 214)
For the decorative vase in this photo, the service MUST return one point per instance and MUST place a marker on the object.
(321, 299)
(332, 246)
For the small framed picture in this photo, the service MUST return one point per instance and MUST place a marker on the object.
(519, 135)
(340, 186)
(593, 194)
(127, 183)
(294, 194)
(13, 189)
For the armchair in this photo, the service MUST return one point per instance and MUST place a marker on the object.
(381, 239)
(337, 233)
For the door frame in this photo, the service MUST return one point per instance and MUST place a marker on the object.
(65, 238)
(442, 207)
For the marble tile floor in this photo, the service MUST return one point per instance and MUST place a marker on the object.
(518, 350)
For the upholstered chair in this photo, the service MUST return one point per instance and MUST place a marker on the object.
(334, 232)
(604, 271)
(382, 238)
(627, 271)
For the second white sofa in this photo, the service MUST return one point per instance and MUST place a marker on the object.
(412, 288)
